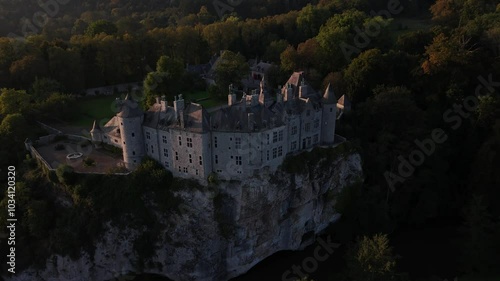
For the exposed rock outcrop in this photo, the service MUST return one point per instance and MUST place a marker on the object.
(222, 231)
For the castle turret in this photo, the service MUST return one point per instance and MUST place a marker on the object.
(329, 117)
(130, 120)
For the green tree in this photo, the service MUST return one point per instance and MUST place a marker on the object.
(101, 26)
(13, 101)
(371, 259)
(230, 69)
(15, 127)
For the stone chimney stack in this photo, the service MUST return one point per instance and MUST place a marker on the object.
(231, 98)
(164, 104)
(255, 98)
(288, 92)
(303, 89)
(251, 122)
(178, 106)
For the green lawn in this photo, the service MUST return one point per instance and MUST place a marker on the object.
(93, 108)
(208, 103)
(101, 107)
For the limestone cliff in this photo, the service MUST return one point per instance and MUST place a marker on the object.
(221, 231)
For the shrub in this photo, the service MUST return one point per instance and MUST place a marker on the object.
(88, 162)
(65, 174)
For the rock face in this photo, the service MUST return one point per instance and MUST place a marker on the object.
(220, 232)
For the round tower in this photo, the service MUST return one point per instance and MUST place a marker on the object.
(329, 116)
(130, 120)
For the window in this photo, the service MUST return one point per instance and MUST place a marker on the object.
(189, 142)
(267, 155)
(215, 142)
(267, 138)
(197, 172)
(275, 137)
(123, 142)
(237, 143)
(190, 159)
(275, 153)
(238, 160)
(165, 152)
(176, 155)
(133, 134)
(216, 159)
(185, 170)
(308, 127)
(294, 130)
(152, 149)
(316, 123)
(116, 140)
(294, 145)
(133, 152)
(148, 135)
(201, 161)
(331, 109)
(219, 171)
(280, 136)
(316, 139)
(180, 141)
(179, 168)
(164, 139)
(280, 151)
(303, 143)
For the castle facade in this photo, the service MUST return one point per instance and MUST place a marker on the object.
(237, 141)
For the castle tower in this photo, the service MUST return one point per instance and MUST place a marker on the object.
(329, 116)
(130, 120)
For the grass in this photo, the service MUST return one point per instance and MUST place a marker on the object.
(101, 107)
(93, 108)
(207, 103)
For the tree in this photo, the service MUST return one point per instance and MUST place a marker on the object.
(480, 238)
(101, 26)
(13, 101)
(289, 59)
(371, 259)
(165, 81)
(42, 88)
(364, 73)
(25, 70)
(230, 69)
(14, 127)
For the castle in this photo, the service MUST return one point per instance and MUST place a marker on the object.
(239, 139)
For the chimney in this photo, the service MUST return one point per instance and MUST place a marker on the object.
(178, 105)
(279, 95)
(302, 90)
(164, 103)
(231, 98)
(288, 92)
(251, 122)
(157, 100)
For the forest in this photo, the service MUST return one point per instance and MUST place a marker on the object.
(423, 78)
